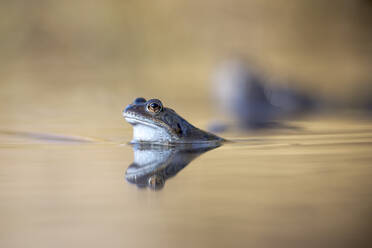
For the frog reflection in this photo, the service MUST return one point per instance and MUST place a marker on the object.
(154, 164)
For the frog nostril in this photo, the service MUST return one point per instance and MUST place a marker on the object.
(126, 108)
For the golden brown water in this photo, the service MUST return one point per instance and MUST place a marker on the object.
(309, 187)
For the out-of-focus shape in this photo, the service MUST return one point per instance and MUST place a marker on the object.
(247, 97)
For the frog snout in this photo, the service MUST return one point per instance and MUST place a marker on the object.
(127, 107)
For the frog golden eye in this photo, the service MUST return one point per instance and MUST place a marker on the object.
(154, 106)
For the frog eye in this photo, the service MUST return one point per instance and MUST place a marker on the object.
(139, 100)
(154, 106)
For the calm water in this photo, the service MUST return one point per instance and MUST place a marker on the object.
(308, 187)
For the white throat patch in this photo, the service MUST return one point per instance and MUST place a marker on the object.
(143, 132)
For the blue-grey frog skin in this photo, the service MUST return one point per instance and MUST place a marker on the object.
(154, 123)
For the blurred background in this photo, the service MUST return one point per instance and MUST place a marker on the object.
(91, 58)
(69, 68)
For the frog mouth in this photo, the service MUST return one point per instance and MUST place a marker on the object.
(148, 129)
(133, 120)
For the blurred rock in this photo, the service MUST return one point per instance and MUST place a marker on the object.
(246, 96)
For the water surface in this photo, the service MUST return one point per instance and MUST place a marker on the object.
(309, 187)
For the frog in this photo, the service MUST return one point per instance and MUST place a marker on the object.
(154, 123)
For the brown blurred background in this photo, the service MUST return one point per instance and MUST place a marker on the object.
(91, 57)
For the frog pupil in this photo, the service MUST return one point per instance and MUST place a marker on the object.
(154, 105)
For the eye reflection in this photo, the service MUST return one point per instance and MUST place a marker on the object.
(154, 164)
(155, 182)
